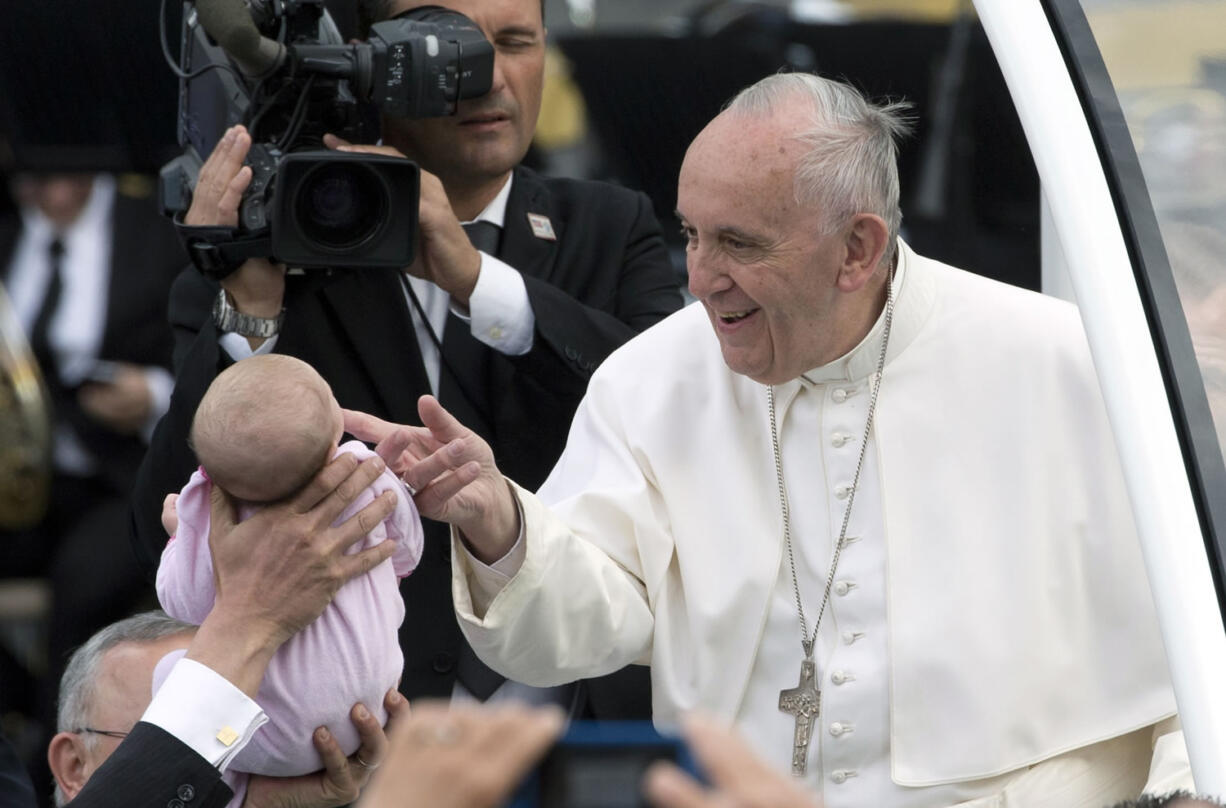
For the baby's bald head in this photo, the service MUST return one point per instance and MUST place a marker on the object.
(265, 426)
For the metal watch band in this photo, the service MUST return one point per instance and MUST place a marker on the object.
(231, 320)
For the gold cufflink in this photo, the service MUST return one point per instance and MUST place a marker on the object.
(227, 736)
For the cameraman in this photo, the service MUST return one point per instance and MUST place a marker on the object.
(507, 337)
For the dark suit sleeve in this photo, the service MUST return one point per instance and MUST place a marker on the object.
(169, 461)
(15, 787)
(152, 767)
(634, 287)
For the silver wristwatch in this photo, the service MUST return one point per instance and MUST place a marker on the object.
(229, 319)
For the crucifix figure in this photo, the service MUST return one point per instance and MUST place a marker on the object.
(805, 702)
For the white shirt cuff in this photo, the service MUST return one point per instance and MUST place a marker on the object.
(237, 346)
(160, 384)
(485, 581)
(498, 309)
(205, 711)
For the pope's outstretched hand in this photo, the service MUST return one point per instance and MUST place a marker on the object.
(450, 472)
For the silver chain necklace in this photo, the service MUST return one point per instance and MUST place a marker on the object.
(805, 700)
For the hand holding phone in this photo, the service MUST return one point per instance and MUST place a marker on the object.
(737, 775)
(116, 394)
(600, 764)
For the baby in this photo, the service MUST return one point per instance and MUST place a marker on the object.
(264, 428)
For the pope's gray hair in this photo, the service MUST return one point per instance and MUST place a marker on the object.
(850, 164)
(79, 683)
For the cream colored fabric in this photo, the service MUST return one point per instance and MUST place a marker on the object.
(1019, 616)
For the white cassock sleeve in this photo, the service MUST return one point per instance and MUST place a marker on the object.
(569, 613)
(1170, 770)
(578, 606)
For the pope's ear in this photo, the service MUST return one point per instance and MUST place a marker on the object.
(866, 238)
(66, 756)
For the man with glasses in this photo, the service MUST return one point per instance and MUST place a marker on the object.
(104, 691)
(107, 689)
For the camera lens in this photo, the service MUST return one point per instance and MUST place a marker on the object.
(339, 206)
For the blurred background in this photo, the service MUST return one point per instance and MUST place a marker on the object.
(631, 82)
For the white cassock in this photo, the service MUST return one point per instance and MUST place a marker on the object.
(990, 610)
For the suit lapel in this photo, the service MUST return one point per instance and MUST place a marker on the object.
(464, 376)
(522, 249)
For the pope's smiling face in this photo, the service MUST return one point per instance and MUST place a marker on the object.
(758, 261)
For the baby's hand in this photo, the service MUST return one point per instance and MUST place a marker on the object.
(170, 515)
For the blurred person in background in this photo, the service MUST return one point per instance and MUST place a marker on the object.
(87, 264)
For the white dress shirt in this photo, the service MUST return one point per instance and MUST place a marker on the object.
(204, 710)
(76, 328)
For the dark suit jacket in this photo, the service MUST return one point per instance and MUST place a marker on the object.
(144, 253)
(606, 277)
(15, 788)
(152, 767)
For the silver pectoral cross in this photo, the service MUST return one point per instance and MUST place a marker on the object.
(805, 702)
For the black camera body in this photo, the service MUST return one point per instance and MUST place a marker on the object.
(279, 67)
(350, 207)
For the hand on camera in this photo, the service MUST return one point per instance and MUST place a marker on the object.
(258, 286)
(445, 256)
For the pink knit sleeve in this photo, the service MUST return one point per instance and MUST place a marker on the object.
(404, 527)
(185, 575)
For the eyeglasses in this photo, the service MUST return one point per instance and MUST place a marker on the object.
(110, 733)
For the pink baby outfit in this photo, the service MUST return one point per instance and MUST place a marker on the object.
(349, 654)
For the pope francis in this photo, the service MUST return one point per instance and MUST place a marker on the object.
(863, 506)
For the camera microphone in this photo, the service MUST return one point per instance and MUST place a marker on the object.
(229, 22)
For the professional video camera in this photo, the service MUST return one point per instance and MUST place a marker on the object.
(279, 67)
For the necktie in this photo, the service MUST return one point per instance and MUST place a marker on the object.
(484, 236)
(476, 677)
(40, 333)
